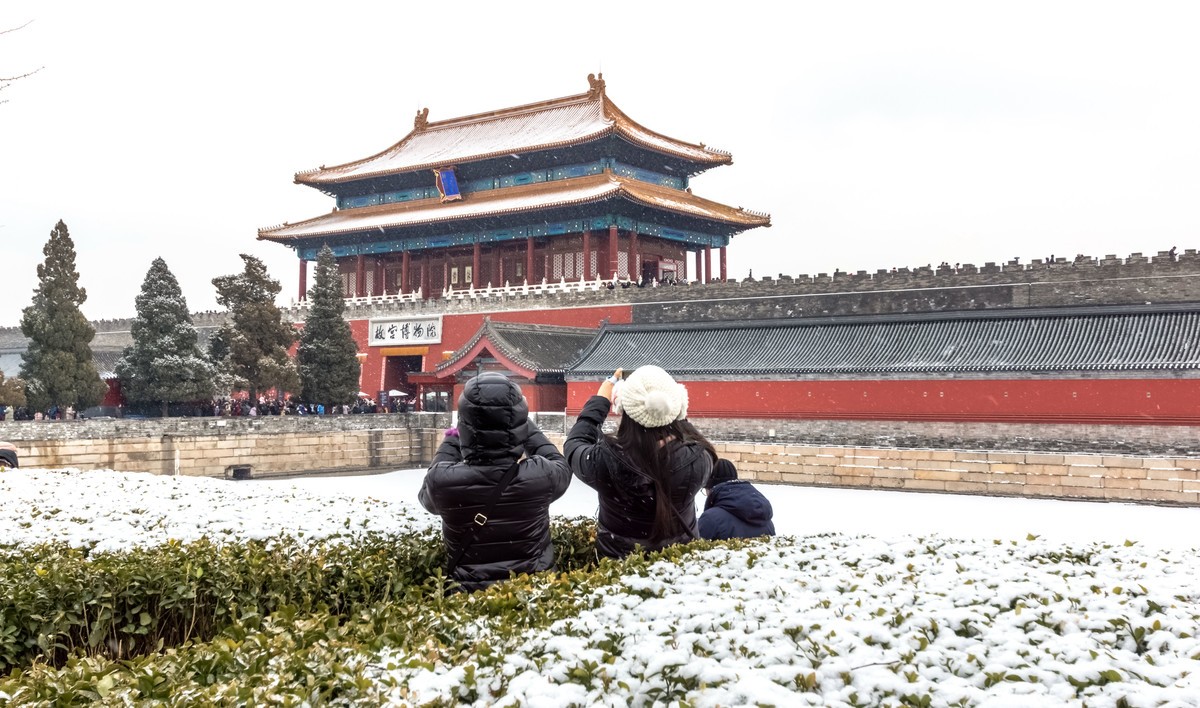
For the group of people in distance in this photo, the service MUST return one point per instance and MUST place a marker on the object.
(495, 475)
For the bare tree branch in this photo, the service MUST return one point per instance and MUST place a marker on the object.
(6, 81)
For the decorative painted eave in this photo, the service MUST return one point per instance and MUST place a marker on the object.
(514, 200)
(533, 127)
(1114, 339)
(548, 348)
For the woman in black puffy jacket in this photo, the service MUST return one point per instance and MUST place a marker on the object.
(648, 474)
(493, 432)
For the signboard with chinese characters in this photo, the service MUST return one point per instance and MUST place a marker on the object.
(406, 330)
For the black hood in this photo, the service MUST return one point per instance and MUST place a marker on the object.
(492, 419)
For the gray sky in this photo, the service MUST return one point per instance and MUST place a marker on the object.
(876, 134)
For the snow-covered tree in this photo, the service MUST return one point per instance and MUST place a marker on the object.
(164, 363)
(12, 392)
(328, 356)
(258, 338)
(57, 366)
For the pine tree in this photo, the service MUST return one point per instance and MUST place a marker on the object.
(258, 338)
(328, 355)
(57, 366)
(164, 363)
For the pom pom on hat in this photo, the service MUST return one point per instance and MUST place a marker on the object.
(652, 398)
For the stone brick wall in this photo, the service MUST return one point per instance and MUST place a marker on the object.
(212, 446)
(1167, 480)
(280, 446)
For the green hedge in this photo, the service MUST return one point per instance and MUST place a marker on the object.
(293, 658)
(58, 602)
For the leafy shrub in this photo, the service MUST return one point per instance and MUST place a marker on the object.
(57, 602)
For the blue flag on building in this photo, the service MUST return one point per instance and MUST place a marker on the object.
(447, 184)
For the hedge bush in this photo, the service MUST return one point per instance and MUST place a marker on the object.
(58, 602)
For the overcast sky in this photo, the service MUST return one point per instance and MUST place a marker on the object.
(876, 134)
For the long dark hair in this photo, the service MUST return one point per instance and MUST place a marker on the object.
(647, 451)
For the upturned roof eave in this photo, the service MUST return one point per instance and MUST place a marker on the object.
(619, 187)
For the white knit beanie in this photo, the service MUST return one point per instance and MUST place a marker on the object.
(651, 397)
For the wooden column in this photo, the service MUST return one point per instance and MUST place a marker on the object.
(404, 263)
(724, 275)
(499, 269)
(708, 264)
(634, 273)
(699, 270)
(360, 276)
(587, 255)
(613, 258)
(379, 288)
(425, 277)
(529, 274)
(475, 260)
(303, 280)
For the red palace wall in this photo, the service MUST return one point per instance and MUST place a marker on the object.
(457, 330)
(1097, 401)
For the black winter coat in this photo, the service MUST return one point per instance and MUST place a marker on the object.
(627, 499)
(495, 432)
(735, 509)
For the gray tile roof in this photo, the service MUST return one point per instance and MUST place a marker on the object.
(1077, 339)
(546, 349)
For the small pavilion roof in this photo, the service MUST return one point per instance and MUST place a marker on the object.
(1031, 341)
(512, 200)
(537, 126)
(528, 349)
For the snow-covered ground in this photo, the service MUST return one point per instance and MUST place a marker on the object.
(879, 595)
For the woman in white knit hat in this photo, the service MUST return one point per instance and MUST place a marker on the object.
(648, 474)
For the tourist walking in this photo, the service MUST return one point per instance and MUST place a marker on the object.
(733, 508)
(648, 474)
(495, 507)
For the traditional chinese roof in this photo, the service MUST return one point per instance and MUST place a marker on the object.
(513, 200)
(527, 349)
(522, 129)
(1047, 340)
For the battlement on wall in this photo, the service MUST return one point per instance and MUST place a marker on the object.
(1089, 279)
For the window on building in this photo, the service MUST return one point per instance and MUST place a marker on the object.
(454, 275)
(467, 275)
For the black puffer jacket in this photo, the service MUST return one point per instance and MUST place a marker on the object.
(627, 499)
(494, 431)
(735, 509)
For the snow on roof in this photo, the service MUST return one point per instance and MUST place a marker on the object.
(538, 126)
(513, 200)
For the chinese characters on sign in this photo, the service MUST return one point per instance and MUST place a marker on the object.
(407, 330)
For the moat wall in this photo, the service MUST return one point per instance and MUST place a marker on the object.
(278, 446)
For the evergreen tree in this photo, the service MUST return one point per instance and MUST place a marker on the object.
(164, 363)
(257, 337)
(57, 367)
(328, 356)
(12, 392)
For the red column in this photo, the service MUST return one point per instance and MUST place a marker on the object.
(587, 255)
(499, 270)
(475, 264)
(425, 277)
(724, 276)
(360, 278)
(699, 269)
(379, 276)
(529, 274)
(404, 262)
(613, 259)
(708, 264)
(303, 280)
(634, 274)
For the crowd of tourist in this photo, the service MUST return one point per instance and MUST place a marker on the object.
(217, 407)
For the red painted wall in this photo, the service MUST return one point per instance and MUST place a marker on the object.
(1101, 401)
(457, 330)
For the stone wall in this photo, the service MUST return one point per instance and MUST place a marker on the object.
(1166, 480)
(211, 447)
(282, 446)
